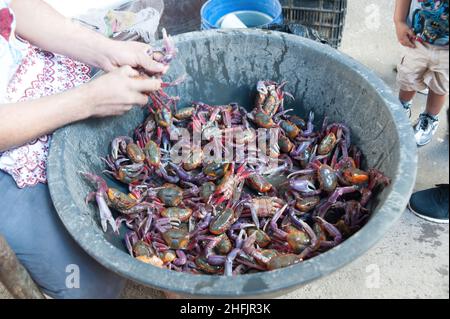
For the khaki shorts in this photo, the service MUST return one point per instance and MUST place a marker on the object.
(422, 67)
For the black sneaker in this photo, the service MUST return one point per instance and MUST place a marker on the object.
(431, 204)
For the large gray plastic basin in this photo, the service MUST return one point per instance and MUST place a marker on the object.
(223, 67)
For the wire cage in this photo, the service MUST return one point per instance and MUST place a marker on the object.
(325, 16)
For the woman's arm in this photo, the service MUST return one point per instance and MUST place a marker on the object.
(112, 94)
(404, 33)
(41, 25)
(25, 121)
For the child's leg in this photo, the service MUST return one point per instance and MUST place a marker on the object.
(406, 98)
(410, 77)
(435, 103)
(439, 85)
(428, 122)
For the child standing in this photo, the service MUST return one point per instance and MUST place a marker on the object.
(422, 27)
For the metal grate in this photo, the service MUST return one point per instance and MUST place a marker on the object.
(325, 16)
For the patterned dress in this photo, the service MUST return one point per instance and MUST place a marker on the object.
(29, 73)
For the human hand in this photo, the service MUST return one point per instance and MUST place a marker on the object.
(405, 35)
(116, 92)
(132, 53)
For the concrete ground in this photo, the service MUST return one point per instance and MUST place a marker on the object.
(412, 260)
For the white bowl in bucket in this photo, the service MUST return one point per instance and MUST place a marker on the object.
(252, 13)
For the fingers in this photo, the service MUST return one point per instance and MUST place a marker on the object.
(140, 82)
(151, 66)
(139, 86)
(411, 36)
(118, 110)
(407, 42)
(147, 60)
(157, 56)
(109, 67)
(407, 38)
(122, 109)
(141, 99)
(147, 85)
(113, 110)
(406, 35)
(135, 98)
(118, 91)
(129, 71)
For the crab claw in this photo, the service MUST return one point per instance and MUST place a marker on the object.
(105, 213)
(119, 143)
(262, 88)
(311, 117)
(276, 217)
(302, 185)
(170, 50)
(176, 82)
(248, 244)
(332, 231)
(229, 261)
(130, 238)
(101, 199)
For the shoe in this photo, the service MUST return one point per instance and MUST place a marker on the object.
(407, 107)
(425, 129)
(408, 112)
(431, 204)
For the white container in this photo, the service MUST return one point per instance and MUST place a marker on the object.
(231, 21)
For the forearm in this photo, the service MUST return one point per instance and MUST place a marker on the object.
(401, 10)
(24, 121)
(112, 94)
(44, 27)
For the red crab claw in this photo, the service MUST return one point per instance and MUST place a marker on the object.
(177, 82)
(220, 200)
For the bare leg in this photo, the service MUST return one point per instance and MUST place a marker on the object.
(406, 96)
(435, 103)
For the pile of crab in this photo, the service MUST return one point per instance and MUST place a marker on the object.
(234, 216)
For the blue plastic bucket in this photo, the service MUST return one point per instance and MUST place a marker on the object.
(213, 12)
